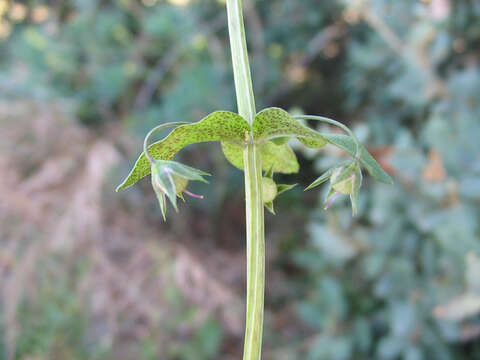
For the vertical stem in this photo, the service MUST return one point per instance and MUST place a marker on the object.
(255, 254)
(241, 65)
(253, 186)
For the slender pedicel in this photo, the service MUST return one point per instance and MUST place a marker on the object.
(151, 160)
(336, 123)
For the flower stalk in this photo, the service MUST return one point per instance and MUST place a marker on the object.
(253, 186)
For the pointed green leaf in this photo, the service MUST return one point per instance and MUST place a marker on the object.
(280, 157)
(347, 143)
(218, 126)
(274, 123)
(269, 206)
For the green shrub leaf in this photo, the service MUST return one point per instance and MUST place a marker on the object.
(222, 126)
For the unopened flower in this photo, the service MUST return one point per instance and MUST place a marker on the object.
(270, 190)
(345, 179)
(170, 179)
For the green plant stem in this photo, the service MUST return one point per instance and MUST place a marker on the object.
(241, 65)
(253, 186)
(255, 254)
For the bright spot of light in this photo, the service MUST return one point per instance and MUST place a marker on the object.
(18, 12)
(179, 2)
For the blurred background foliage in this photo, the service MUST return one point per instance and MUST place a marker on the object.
(89, 274)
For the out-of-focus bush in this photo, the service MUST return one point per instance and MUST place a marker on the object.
(391, 283)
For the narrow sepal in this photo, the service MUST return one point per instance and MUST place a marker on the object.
(281, 188)
(185, 171)
(269, 173)
(166, 179)
(321, 179)
(357, 183)
(160, 197)
(330, 198)
(269, 206)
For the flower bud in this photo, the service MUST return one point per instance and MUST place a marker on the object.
(170, 179)
(345, 180)
(269, 189)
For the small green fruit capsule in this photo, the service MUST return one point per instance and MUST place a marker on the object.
(180, 183)
(269, 190)
(344, 178)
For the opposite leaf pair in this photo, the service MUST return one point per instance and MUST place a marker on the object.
(270, 132)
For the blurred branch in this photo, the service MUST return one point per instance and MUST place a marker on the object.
(162, 66)
(413, 56)
(165, 63)
(256, 35)
(313, 48)
(320, 40)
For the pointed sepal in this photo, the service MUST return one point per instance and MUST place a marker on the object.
(321, 179)
(269, 173)
(269, 206)
(281, 188)
(357, 183)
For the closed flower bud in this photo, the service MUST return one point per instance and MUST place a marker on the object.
(170, 179)
(345, 179)
(269, 189)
